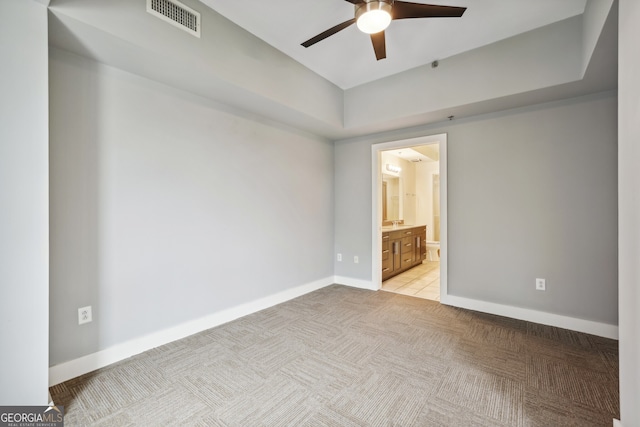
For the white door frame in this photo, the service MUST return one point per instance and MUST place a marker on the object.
(376, 208)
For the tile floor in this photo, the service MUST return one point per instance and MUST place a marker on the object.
(422, 281)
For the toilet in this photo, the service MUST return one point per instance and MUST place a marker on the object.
(433, 251)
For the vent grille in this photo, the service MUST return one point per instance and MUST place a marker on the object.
(177, 14)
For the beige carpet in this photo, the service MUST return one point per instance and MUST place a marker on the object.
(348, 357)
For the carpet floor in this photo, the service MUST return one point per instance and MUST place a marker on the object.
(344, 357)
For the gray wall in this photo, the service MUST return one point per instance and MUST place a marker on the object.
(548, 56)
(166, 207)
(353, 209)
(24, 222)
(629, 231)
(227, 63)
(532, 193)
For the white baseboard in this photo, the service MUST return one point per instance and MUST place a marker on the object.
(550, 319)
(74, 368)
(617, 423)
(355, 283)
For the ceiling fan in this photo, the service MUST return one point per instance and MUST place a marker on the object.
(374, 16)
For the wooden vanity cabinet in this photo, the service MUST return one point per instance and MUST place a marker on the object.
(402, 250)
(407, 252)
(387, 260)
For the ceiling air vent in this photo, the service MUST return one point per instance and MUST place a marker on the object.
(176, 14)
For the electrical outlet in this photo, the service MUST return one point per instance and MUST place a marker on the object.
(356, 259)
(339, 257)
(541, 284)
(84, 315)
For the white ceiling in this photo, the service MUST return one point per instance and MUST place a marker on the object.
(239, 71)
(413, 155)
(347, 58)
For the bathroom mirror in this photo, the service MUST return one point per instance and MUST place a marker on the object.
(391, 198)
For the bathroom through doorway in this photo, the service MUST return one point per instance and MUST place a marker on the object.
(409, 214)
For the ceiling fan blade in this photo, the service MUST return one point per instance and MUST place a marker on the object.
(404, 10)
(379, 45)
(331, 31)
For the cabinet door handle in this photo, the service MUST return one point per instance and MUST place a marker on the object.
(385, 269)
(407, 232)
(385, 251)
(408, 244)
(385, 237)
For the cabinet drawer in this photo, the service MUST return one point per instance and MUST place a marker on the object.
(399, 234)
(387, 266)
(406, 232)
(407, 260)
(407, 245)
(385, 253)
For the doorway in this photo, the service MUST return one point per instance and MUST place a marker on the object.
(418, 207)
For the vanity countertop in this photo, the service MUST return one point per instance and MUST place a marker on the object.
(399, 227)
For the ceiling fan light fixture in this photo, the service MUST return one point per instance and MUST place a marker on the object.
(373, 17)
